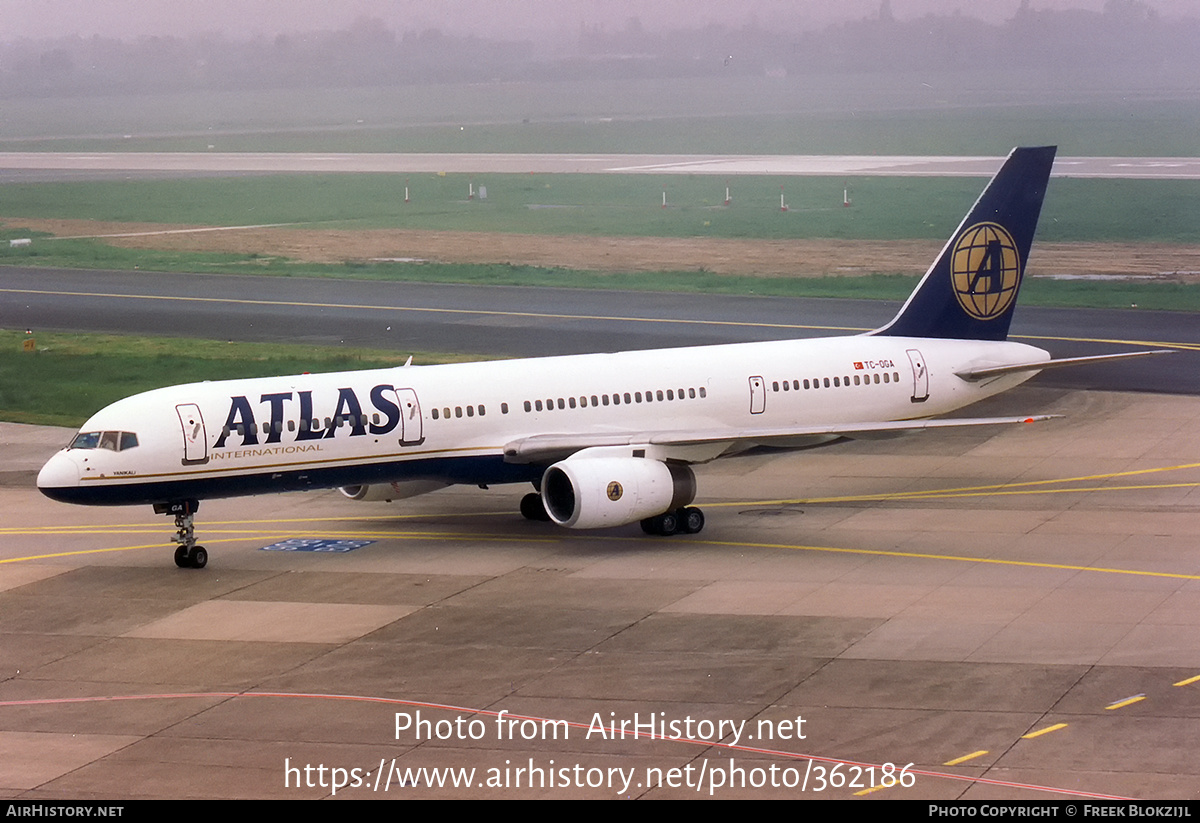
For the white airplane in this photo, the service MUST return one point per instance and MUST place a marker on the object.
(606, 439)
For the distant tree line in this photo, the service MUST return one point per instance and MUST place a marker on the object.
(1126, 35)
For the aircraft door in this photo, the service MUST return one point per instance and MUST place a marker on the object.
(920, 376)
(411, 431)
(758, 395)
(195, 438)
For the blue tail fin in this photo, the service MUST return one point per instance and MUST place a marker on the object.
(971, 289)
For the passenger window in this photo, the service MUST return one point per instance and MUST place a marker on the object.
(470, 411)
(482, 410)
(291, 425)
(434, 413)
(671, 393)
(885, 377)
(538, 404)
(458, 411)
(571, 401)
(703, 393)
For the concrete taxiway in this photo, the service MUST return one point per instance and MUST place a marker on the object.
(1013, 612)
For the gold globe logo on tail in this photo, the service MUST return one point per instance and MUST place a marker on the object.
(985, 270)
(614, 491)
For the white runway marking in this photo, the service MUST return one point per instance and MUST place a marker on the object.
(1177, 168)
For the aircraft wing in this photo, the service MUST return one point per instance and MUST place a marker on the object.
(549, 448)
(996, 371)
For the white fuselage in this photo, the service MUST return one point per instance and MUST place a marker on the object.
(452, 423)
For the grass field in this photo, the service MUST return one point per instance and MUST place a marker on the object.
(77, 374)
(621, 205)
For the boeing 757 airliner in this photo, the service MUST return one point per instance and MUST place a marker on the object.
(605, 439)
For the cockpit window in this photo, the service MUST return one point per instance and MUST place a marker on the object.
(85, 440)
(113, 441)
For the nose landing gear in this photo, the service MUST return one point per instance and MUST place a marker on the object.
(188, 555)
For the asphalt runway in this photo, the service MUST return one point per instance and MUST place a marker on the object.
(1014, 613)
(530, 322)
(43, 166)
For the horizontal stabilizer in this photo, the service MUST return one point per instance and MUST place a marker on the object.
(996, 371)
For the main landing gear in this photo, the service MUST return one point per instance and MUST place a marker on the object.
(689, 520)
(188, 555)
(532, 508)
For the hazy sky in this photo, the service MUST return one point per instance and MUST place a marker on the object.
(495, 18)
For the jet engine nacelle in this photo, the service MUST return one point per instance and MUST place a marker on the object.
(387, 492)
(597, 492)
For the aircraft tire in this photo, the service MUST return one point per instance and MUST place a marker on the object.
(533, 509)
(199, 557)
(181, 558)
(691, 520)
(663, 525)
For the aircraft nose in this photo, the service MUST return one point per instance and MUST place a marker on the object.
(60, 472)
